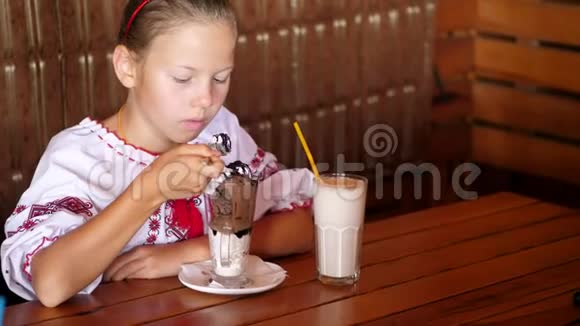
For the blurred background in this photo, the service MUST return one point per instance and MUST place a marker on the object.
(374, 82)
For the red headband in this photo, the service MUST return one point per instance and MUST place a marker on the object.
(135, 13)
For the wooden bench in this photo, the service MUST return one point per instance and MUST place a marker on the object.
(520, 61)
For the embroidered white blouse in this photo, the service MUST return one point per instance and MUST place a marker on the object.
(85, 167)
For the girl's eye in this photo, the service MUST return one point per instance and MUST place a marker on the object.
(221, 81)
(181, 80)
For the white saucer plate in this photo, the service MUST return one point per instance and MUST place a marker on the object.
(196, 276)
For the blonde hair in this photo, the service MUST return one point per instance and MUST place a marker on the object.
(143, 20)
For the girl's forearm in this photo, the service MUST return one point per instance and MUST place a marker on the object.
(283, 234)
(192, 250)
(79, 257)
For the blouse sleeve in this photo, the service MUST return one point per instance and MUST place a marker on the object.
(279, 189)
(53, 205)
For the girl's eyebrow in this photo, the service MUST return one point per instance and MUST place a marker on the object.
(195, 70)
(187, 67)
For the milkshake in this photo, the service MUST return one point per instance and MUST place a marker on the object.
(230, 229)
(339, 208)
(229, 250)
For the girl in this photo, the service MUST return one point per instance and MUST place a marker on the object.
(123, 198)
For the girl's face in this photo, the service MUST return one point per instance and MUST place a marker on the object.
(184, 79)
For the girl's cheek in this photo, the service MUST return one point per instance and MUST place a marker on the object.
(221, 94)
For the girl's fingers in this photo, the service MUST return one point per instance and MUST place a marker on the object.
(212, 170)
(178, 175)
(121, 261)
(197, 149)
(208, 167)
(128, 270)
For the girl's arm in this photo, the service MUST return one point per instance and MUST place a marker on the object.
(78, 257)
(274, 235)
(283, 233)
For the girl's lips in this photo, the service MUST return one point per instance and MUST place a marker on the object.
(193, 124)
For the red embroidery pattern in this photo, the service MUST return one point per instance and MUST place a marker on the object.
(258, 159)
(29, 256)
(71, 204)
(183, 218)
(151, 239)
(19, 209)
(122, 154)
(154, 227)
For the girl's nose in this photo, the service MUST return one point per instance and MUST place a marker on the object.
(204, 96)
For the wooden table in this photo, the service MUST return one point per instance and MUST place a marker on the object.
(500, 258)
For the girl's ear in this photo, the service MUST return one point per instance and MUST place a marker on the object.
(125, 66)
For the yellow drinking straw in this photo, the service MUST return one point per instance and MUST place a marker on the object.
(306, 150)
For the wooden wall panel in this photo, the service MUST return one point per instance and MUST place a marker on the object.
(75, 68)
(279, 12)
(50, 113)
(456, 15)
(102, 23)
(372, 59)
(354, 145)
(73, 32)
(21, 85)
(525, 110)
(19, 97)
(284, 145)
(238, 87)
(76, 97)
(5, 94)
(322, 146)
(338, 133)
(260, 72)
(455, 57)
(391, 39)
(409, 140)
(251, 14)
(318, 10)
(17, 28)
(253, 63)
(49, 42)
(281, 77)
(347, 34)
(346, 8)
(547, 21)
(106, 93)
(320, 66)
(406, 26)
(416, 28)
(373, 108)
(546, 67)
(454, 54)
(520, 56)
(298, 59)
(526, 154)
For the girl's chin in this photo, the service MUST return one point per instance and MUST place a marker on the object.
(184, 138)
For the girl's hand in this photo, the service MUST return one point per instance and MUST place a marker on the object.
(146, 262)
(182, 172)
(156, 261)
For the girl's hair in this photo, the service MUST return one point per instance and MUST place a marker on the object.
(143, 20)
